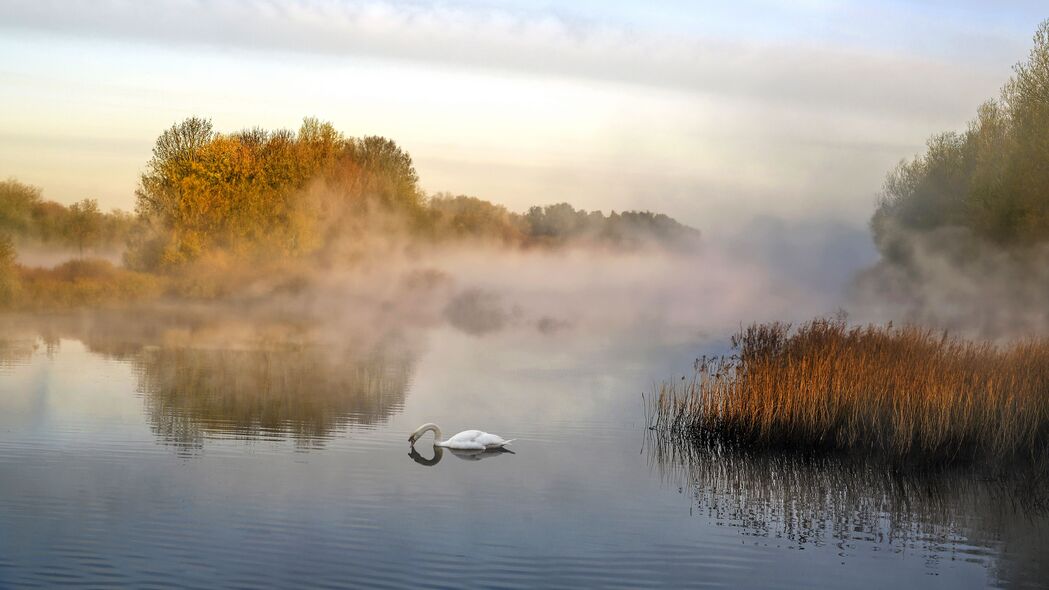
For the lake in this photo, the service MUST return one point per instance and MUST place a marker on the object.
(183, 451)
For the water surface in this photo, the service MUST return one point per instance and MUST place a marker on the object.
(176, 453)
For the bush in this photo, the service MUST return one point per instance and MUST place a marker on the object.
(85, 283)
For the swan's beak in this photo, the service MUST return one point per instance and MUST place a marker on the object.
(411, 439)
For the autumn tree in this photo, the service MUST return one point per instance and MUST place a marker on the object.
(17, 202)
(28, 218)
(469, 217)
(85, 224)
(262, 193)
(9, 282)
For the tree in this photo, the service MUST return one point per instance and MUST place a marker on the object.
(17, 201)
(265, 194)
(173, 156)
(462, 216)
(85, 224)
(992, 180)
(384, 172)
(9, 280)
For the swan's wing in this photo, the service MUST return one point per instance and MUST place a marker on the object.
(475, 439)
(466, 436)
(491, 441)
(466, 440)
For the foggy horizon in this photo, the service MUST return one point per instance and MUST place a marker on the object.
(688, 110)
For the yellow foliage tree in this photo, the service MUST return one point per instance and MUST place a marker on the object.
(263, 194)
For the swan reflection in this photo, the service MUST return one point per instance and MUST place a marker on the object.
(465, 455)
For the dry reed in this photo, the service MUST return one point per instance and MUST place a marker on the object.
(906, 392)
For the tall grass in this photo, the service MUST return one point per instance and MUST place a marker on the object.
(905, 392)
(81, 284)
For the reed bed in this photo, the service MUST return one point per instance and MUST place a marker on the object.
(909, 393)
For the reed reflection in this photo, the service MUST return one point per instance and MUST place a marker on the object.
(855, 504)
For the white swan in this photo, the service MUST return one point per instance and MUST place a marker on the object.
(467, 440)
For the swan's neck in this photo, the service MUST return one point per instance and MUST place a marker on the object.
(429, 427)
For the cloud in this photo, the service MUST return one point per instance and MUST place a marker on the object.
(535, 43)
(705, 112)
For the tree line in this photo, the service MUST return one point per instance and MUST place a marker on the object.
(28, 219)
(991, 180)
(215, 210)
(295, 194)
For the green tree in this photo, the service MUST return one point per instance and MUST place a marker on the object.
(462, 216)
(17, 202)
(85, 224)
(993, 179)
(9, 280)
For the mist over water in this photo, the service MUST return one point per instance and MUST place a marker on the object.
(217, 439)
(953, 280)
(259, 445)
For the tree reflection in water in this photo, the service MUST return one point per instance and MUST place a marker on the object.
(250, 376)
(303, 393)
(15, 352)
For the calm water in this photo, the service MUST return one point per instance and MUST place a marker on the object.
(178, 453)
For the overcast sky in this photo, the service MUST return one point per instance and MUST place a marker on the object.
(713, 112)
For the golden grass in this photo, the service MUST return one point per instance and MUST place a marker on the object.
(906, 392)
(83, 283)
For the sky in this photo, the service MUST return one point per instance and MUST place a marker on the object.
(716, 113)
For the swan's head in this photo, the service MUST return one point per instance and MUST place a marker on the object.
(420, 431)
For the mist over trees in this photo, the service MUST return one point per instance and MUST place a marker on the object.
(216, 212)
(555, 225)
(963, 229)
(31, 221)
(261, 193)
(265, 194)
(992, 179)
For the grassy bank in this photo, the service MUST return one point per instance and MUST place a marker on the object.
(76, 284)
(907, 393)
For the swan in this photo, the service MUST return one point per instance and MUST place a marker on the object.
(467, 440)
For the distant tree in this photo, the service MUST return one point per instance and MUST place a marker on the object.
(17, 201)
(385, 172)
(85, 224)
(462, 216)
(560, 223)
(9, 283)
